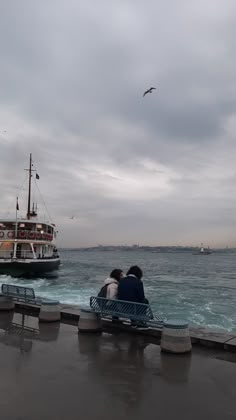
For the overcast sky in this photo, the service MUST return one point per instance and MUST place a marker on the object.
(158, 170)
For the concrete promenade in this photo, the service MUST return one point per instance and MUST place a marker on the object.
(199, 335)
(49, 372)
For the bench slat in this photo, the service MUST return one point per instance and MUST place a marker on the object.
(124, 309)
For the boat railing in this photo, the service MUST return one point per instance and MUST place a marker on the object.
(25, 234)
(5, 254)
(22, 254)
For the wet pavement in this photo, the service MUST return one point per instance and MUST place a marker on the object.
(50, 372)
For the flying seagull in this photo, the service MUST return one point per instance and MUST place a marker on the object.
(148, 91)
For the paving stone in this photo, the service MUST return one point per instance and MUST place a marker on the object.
(206, 334)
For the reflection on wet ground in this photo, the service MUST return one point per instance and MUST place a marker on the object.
(50, 372)
(19, 330)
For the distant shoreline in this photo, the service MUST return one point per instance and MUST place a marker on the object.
(154, 249)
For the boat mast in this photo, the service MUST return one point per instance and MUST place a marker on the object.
(29, 191)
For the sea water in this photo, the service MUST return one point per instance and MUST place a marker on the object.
(200, 288)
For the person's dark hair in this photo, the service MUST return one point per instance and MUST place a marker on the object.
(136, 271)
(115, 274)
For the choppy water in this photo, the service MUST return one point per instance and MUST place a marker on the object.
(200, 288)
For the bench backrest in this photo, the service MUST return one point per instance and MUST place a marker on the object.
(18, 292)
(121, 308)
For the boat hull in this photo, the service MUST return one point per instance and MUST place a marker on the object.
(29, 268)
(202, 253)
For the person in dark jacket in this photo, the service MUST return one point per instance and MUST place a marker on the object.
(130, 288)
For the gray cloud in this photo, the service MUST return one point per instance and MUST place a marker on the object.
(152, 170)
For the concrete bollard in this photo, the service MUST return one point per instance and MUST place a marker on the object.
(89, 321)
(175, 337)
(6, 303)
(50, 311)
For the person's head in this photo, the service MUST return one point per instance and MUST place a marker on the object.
(116, 274)
(136, 271)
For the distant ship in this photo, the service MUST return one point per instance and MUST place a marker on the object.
(202, 251)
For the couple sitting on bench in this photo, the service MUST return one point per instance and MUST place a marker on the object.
(127, 288)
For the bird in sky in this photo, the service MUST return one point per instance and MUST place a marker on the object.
(148, 91)
(72, 217)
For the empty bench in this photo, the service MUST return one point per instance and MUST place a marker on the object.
(49, 309)
(137, 312)
(20, 294)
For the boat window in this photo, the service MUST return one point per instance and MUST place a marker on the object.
(6, 249)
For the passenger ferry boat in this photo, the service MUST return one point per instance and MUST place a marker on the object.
(27, 245)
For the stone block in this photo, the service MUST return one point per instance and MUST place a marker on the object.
(175, 337)
(89, 321)
(6, 303)
(50, 311)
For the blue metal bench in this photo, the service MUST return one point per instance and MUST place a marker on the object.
(123, 309)
(22, 294)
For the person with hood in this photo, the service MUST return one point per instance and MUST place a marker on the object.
(110, 288)
(111, 283)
